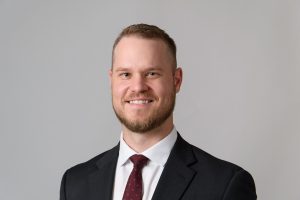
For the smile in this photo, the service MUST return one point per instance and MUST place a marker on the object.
(139, 102)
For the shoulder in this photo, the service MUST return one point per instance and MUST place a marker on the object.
(214, 166)
(211, 162)
(227, 179)
(85, 168)
(199, 157)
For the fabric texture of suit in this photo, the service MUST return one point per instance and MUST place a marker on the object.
(189, 174)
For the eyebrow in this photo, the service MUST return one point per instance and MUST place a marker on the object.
(152, 68)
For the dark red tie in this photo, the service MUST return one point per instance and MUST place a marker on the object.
(134, 187)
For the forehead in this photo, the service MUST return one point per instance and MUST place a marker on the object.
(135, 50)
(135, 42)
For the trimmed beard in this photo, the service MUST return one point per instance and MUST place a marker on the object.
(158, 117)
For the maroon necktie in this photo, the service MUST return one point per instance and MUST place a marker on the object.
(134, 187)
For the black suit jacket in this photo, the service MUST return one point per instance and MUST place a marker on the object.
(189, 174)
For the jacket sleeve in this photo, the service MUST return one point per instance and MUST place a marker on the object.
(241, 187)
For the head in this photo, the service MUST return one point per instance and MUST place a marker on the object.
(148, 32)
(144, 78)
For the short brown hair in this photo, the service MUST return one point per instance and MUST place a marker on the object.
(149, 32)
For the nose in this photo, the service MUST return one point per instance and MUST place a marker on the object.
(138, 84)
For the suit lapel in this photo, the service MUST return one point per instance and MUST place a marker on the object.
(177, 174)
(101, 182)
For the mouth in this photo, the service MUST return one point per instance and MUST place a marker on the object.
(139, 101)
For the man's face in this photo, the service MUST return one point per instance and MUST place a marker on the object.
(143, 83)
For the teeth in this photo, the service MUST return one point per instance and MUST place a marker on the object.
(139, 101)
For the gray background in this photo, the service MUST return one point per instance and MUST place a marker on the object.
(239, 100)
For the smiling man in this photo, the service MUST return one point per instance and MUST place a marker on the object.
(151, 161)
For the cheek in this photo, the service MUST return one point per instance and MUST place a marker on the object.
(166, 86)
(119, 90)
(163, 90)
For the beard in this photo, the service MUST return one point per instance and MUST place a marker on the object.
(156, 118)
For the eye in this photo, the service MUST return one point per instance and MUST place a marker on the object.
(124, 75)
(152, 74)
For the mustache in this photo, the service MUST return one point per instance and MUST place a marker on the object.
(140, 96)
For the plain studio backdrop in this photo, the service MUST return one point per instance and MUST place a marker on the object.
(239, 99)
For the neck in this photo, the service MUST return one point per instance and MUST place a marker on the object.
(139, 142)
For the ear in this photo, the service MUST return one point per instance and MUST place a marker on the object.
(178, 79)
(110, 74)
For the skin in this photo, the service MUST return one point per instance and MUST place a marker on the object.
(143, 70)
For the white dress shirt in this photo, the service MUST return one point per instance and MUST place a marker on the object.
(157, 154)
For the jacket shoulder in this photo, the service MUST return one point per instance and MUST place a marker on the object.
(91, 164)
(228, 179)
(213, 162)
(83, 169)
(74, 183)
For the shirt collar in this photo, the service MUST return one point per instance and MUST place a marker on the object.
(158, 153)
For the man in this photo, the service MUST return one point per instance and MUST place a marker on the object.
(152, 160)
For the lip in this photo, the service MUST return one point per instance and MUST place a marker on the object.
(139, 101)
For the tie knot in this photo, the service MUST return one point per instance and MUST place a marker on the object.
(139, 161)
